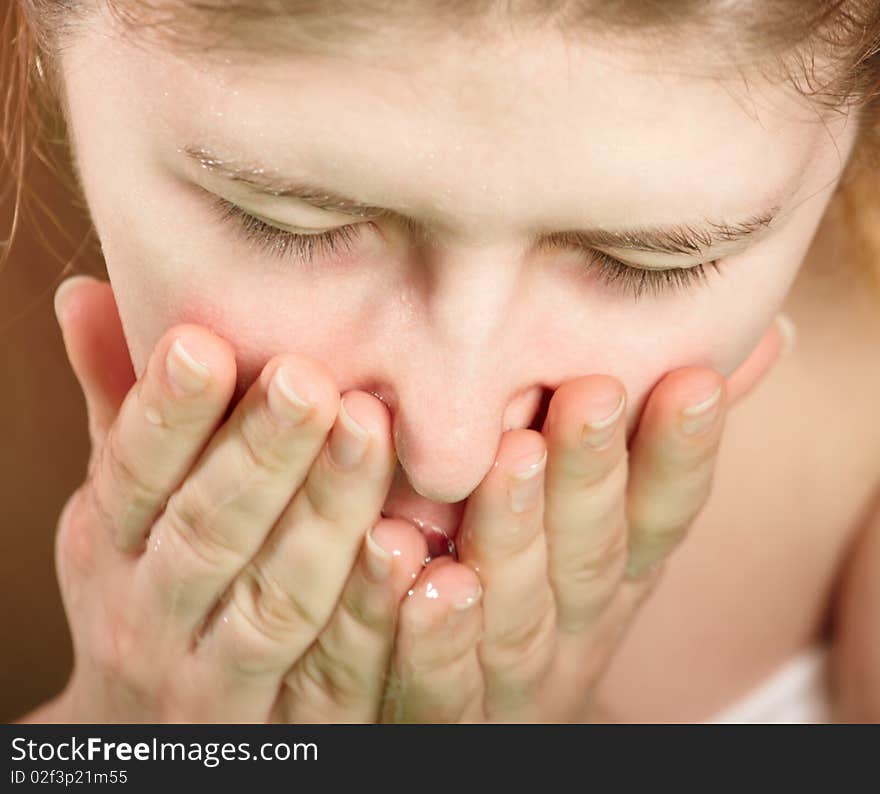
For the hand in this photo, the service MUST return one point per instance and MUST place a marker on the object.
(219, 571)
(559, 545)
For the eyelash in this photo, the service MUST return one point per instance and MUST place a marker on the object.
(334, 242)
(284, 244)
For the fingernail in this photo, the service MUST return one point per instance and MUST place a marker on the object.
(597, 433)
(787, 331)
(464, 604)
(379, 561)
(701, 415)
(348, 440)
(186, 374)
(61, 292)
(284, 403)
(525, 486)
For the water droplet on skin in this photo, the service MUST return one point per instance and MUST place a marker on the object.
(431, 591)
(439, 543)
(396, 553)
(410, 592)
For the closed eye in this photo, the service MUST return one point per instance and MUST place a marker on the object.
(333, 243)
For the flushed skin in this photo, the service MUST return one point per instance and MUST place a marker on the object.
(520, 630)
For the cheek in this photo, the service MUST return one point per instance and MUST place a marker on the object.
(361, 327)
(637, 344)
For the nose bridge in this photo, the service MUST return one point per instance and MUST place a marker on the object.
(470, 297)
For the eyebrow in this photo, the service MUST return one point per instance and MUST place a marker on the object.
(688, 239)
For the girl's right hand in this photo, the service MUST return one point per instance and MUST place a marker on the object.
(222, 571)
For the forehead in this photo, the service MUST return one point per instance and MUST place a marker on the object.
(452, 127)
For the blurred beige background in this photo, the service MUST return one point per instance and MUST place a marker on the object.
(43, 439)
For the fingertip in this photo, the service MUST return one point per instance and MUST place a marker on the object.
(368, 411)
(516, 447)
(310, 380)
(684, 389)
(590, 398)
(66, 289)
(406, 547)
(447, 584)
(205, 348)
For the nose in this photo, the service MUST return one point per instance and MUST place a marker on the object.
(467, 379)
(446, 441)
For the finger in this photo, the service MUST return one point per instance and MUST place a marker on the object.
(162, 426)
(96, 348)
(778, 340)
(586, 490)
(502, 537)
(435, 672)
(285, 596)
(239, 487)
(342, 678)
(672, 461)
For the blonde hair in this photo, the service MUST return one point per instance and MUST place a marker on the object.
(789, 34)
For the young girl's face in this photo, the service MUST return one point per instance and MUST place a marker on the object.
(481, 280)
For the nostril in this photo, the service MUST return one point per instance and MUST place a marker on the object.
(541, 412)
(382, 392)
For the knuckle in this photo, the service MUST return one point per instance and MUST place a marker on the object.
(601, 500)
(597, 563)
(116, 653)
(374, 618)
(420, 658)
(305, 684)
(75, 541)
(259, 454)
(192, 522)
(654, 538)
(324, 504)
(684, 458)
(600, 469)
(272, 613)
(602, 490)
(136, 490)
(654, 544)
(338, 680)
(665, 518)
(514, 645)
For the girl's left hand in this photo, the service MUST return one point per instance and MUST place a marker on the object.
(558, 546)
